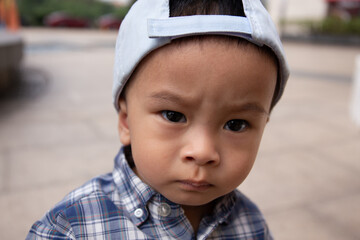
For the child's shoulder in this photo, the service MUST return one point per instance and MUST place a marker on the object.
(90, 202)
(93, 192)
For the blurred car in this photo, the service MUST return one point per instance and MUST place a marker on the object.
(61, 19)
(344, 9)
(108, 21)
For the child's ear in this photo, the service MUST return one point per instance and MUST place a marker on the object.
(123, 127)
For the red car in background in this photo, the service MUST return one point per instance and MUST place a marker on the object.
(344, 9)
(108, 21)
(61, 19)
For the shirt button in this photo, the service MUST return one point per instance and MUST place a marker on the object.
(164, 210)
(139, 213)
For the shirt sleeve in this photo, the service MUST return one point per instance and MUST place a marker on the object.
(47, 228)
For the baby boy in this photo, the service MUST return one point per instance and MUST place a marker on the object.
(194, 84)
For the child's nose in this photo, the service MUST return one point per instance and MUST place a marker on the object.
(201, 148)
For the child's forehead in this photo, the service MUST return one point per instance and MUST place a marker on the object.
(193, 58)
(196, 69)
(206, 44)
(180, 48)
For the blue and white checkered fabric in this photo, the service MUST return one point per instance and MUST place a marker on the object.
(121, 206)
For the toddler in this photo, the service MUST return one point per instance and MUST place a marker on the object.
(194, 84)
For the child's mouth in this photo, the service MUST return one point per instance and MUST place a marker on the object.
(198, 186)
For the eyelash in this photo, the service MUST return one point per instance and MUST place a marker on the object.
(173, 116)
(240, 125)
(234, 125)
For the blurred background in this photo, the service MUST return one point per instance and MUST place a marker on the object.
(58, 127)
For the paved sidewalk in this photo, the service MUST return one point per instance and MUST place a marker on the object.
(59, 130)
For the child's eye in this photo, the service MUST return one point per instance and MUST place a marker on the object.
(173, 116)
(236, 125)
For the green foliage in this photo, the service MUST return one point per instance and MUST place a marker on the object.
(334, 25)
(328, 26)
(32, 12)
(120, 12)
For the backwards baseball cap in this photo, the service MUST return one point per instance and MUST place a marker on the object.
(148, 26)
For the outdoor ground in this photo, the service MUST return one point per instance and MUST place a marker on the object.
(59, 130)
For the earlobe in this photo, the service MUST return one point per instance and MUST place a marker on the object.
(123, 127)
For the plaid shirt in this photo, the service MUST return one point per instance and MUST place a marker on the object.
(121, 206)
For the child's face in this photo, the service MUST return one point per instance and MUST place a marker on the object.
(194, 115)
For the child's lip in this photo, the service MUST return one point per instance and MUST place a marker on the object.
(195, 185)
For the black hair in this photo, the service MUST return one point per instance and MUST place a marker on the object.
(206, 7)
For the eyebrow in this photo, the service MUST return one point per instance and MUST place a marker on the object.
(167, 96)
(173, 97)
(253, 107)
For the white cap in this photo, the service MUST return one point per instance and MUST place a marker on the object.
(147, 26)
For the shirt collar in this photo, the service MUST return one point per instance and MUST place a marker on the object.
(223, 209)
(134, 193)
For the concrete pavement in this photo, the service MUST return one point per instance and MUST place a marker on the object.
(59, 129)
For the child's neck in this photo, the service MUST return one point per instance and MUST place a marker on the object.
(195, 213)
